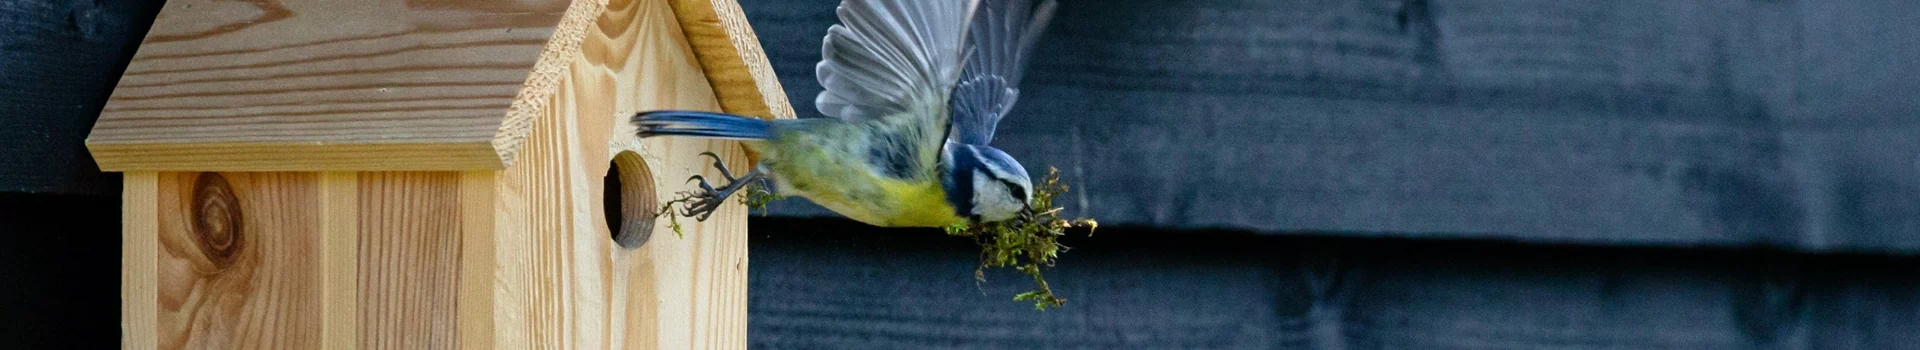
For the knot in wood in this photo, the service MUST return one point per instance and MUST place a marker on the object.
(216, 219)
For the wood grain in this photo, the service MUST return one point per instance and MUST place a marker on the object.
(258, 85)
(409, 234)
(139, 250)
(479, 253)
(731, 57)
(529, 233)
(563, 282)
(701, 274)
(516, 258)
(242, 156)
(242, 272)
(340, 260)
(675, 291)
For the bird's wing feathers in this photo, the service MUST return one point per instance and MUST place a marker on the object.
(888, 57)
(1002, 35)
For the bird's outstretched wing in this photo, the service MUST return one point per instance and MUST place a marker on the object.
(888, 57)
(1002, 34)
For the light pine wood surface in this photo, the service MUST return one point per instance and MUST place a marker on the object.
(320, 85)
(352, 252)
(732, 59)
(238, 261)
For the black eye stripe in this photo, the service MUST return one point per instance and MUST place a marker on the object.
(1014, 189)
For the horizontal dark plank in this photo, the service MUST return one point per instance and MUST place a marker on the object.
(834, 284)
(1676, 123)
(59, 60)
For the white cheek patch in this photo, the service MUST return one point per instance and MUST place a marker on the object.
(991, 199)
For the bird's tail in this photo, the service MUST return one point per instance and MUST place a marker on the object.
(701, 124)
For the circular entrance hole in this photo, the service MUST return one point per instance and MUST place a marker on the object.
(629, 201)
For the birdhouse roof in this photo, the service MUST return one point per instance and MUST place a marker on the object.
(315, 86)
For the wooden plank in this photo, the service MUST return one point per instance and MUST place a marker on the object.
(1135, 289)
(479, 253)
(237, 156)
(1677, 123)
(731, 57)
(240, 260)
(222, 85)
(139, 255)
(60, 63)
(409, 234)
(529, 237)
(340, 260)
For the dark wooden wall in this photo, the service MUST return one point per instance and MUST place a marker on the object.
(59, 60)
(821, 284)
(1792, 124)
(59, 215)
(1418, 174)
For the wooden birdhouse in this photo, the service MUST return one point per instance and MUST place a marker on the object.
(428, 174)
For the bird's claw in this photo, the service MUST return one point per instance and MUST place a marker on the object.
(703, 183)
(722, 166)
(701, 204)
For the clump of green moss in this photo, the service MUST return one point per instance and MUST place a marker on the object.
(673, 219)
(757, 197)
(1027, 242)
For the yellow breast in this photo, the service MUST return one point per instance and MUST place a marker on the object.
(920, 205)
(902, 204)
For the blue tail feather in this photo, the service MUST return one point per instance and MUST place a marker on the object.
(701, 124)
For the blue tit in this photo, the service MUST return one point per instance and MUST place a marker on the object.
(915, 89)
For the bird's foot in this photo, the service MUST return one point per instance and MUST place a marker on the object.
(701, 204)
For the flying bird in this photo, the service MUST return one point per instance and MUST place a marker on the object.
(916, 89)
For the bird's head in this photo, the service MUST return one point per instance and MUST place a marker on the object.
(983, 183)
